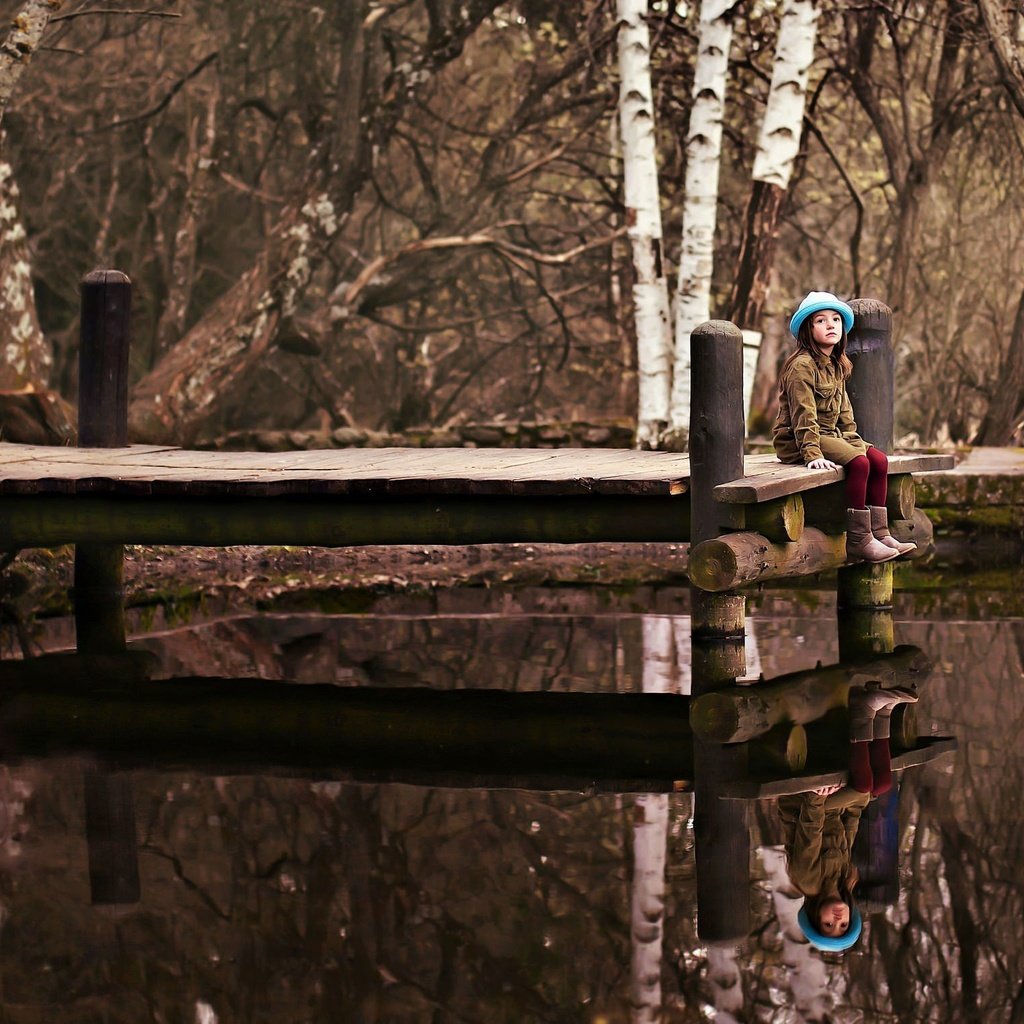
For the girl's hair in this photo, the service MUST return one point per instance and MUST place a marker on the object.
(804, 343)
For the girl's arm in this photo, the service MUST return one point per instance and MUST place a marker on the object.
(798, 384)
(803, 820)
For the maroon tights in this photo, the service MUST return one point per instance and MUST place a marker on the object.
(871, 767)
(866, 479)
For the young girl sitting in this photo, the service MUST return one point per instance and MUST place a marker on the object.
(815, 425)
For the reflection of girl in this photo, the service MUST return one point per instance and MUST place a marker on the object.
(821, 826)
(815, 426)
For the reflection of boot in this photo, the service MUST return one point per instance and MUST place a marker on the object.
(887, 701)
(860, 542)
(880, 530)
(871, 708)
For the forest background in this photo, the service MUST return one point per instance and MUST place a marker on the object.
(410, 212)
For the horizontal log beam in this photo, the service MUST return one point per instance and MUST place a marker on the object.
(738, 714)
(780, 520)
(47, 521)
(737, 559)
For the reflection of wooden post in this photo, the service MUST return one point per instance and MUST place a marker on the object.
(716, 456)
(99, 569)
(110, 833)
(876, 852)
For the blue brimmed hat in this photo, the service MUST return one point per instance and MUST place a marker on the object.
(815, 302)
(824, 942)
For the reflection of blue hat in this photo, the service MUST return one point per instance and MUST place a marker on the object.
(827, 943)
(815, 302)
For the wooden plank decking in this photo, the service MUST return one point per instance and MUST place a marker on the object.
(392, 472)
(395, 472)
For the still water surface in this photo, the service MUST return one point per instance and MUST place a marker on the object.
(265, 897)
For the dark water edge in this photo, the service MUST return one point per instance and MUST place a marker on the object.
(273, 898)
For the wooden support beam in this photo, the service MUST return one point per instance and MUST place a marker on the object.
(737, 559)
(780, 520)
(741, 713)
(337, 521)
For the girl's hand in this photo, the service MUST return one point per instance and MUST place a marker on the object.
(828, 790)
(822, 464)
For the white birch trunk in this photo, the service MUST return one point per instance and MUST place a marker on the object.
(805, 970)
(726, 982)
(787, 95)
(703, 155)
(25, 355)
(643, 218)
(650, 836)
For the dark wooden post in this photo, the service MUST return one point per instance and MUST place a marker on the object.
(718, 620)
(103, 359)
(871, 387)
(99, 571)
(865, 591)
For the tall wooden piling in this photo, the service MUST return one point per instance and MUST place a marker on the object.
(864, 591)
(871, 386)
(716, 456)
(99, 571)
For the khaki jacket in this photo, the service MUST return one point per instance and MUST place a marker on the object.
(813, 404)
(819, 837)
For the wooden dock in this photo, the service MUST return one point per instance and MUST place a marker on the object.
(161, 495)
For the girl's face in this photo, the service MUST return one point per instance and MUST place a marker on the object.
(826, 330)
(834, 918)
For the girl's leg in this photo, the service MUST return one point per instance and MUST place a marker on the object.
(877, 478)
(862, 730)
(857, 482)
(861, 770)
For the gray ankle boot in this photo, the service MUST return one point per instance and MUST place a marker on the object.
(860, 542)
(880, 530)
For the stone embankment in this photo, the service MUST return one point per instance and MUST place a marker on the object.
(575, 434)
(984, 494)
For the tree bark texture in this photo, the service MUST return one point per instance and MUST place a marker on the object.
(27, 359)
(703, 158)
(1004, 419)
(643, 220)
(203, 377)
(22, 41)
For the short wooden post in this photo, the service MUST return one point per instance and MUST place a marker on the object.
(718, 622)
(110, 835)
(99, 571)
(106, 297)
